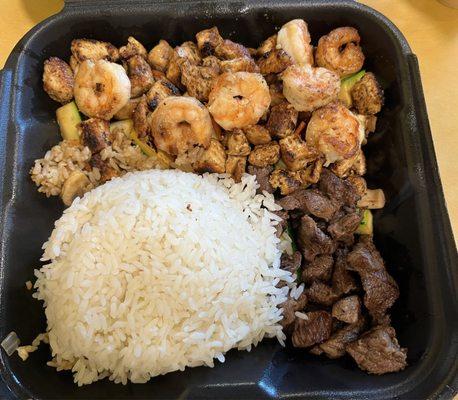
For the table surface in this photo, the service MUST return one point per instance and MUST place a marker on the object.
(430, 28)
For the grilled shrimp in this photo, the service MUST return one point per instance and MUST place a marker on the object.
(238, 99)
(180, 123)
(335, 132)
(340, 52)
(294, 38)
(101, 89)
(308, 88)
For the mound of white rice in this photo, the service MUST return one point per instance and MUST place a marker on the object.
(160, 270)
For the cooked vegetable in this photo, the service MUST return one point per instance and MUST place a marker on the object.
(366, 225)
(75, 186)
(346, 85)
(10, 343)
(68, 118)
(373, 199)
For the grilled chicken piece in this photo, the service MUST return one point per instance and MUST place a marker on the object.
(213, 159)
(257, 134)
(189, 51)
(311, 174)
(198, 79)
(367, 95)
(90, 49)
(237, 143)
(208, 40)
(235, 166)
(274, 62)
(276, 93)
(265, 154)
(160, 55)
(132, 48)
(267, 45)
(95, 133)
(286, 181)
(139, 117)
(127, 111)
(160, 90)
(295, 152)
(227, 50)
(246, 64)
(106, 171)
(282, 120)
(140, 75)
(58, 80)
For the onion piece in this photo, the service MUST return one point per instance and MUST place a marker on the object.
(10, 343)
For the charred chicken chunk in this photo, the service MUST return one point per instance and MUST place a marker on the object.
(106, 171)
(237, 143)
(160, 90)
(140, 75)
(378, 352)
(246, 64)
(140, 120)
(282, 120)
(213, 159)
(58, 80)
(276, 93)
(95, 133)
(347, 309)
(264, 154)
(257, 134)
(208, 40)
(235, 166)
(90, 49)
(295, 152)
(160, 55)
(132, 48)
(267, 45)
(227, 50)
(313, 330)
(367, 95)
(312, 173)
(286, 181)
(198, 79)
(274, 62)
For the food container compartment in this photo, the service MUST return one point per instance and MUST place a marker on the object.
(413, 230)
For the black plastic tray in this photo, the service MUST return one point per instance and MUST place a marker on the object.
(413, 231)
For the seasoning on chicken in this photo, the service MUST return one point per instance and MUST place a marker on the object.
(160, 55)
(295, 152)
(140, 118)
(132, 48)
(160, 90)
(106, 171)
(282, 120)
(58, 80)
(213, 159)
(237, 143)
(257, 134)
(227, 50)
(140, 75)
(312, 173)
(340, 52)
(267, 45)
(198, 79)
(287, 181)
(274, 62)
(367, 95)
(246, 64)
(235, 166)
(264, 154)
(94, 50)
(276, 93)
(208, 40)
(94, 133)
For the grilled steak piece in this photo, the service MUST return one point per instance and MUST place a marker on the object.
(320, 293)
(381, 290)
(290, 306)
(262, 177)
(335, 346)
(291, 263)
(338, 189)
(310, 201)
(343, 228)
(347, 309)
(312, 241)
(315, 329)
(378, 352)
(342, 280)
(281, 226)
(319, 269)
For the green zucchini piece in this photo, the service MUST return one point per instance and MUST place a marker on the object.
(346, 85)
(366, 226)
(68, 118)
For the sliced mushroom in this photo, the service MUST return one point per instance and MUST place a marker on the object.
(75, 186)
(373, 199)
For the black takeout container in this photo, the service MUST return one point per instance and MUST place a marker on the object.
(413, 230)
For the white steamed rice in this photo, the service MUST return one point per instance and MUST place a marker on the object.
(161, 270)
